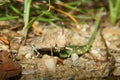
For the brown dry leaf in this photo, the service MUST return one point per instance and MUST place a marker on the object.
(8, 67)
(4, 40)
(37, 31)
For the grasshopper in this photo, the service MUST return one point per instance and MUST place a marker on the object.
(71, 49)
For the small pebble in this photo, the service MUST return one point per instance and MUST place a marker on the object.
(74, 57)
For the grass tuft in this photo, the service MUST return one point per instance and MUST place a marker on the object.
(114, 11)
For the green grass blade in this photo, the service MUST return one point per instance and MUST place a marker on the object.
(26, 16)
(8, 18)
(16, 10)
(47, 13)
(32, 21)
(95, 31)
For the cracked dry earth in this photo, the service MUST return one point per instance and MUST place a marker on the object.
(100, 62)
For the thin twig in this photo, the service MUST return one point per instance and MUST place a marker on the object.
(49, 6)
